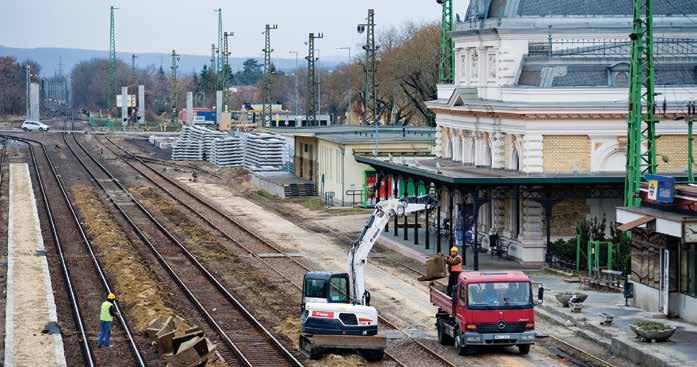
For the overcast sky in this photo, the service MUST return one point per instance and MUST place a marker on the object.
(191, 26)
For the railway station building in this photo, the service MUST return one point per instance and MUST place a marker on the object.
(531, 135)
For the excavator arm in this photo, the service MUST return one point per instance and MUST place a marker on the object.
(358, 255)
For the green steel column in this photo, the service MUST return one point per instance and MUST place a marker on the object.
(447, 50)
(641, 126)
(590, 258)
(690, 158)
(609, 256)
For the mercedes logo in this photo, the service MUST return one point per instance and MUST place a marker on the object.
(501, 324)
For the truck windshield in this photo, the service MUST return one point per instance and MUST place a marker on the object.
(499, 295)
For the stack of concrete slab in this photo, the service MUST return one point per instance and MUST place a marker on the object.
(227, 152)
(263, 151)
(194, 143)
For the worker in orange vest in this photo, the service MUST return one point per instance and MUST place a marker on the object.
(454, 262)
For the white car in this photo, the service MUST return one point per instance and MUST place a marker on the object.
(29, 125)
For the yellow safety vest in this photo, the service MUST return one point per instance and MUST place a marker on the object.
(105, 315)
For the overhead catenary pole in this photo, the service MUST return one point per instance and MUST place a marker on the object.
(370, 93)
(175, 66)
(297, 92)
(226, 68)
(268, 85)
(219, 52)
(28, 77)
(111, 77)
(641, 124)
(212, 74)
(311, 110)
(447, 49)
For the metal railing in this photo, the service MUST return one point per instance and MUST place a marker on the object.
(663, 47)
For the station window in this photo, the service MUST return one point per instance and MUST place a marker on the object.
(688, 270)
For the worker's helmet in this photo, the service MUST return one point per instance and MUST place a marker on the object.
(454, 249)
(111, 296)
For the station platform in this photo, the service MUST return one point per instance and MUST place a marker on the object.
(32, 336)
(420, 253)
(618, 338)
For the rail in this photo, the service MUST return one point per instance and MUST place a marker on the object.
(285, 353)
(251, 233)
(88, 355)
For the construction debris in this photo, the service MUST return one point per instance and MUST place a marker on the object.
(162, 142)
(179, 344)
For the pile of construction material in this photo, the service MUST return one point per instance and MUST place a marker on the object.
(227, 152)
(263, 151)
(162, 142)
(255, 151)
(194, 143)
(179, 344)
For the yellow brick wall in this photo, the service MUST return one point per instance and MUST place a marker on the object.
(563, 153)
(675, 148)
(565, 217)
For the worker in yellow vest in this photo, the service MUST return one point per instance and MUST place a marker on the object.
(106, 316)
(454, 262)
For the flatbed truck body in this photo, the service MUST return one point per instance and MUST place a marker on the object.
(488, 308)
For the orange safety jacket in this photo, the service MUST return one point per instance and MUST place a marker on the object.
(455, 266)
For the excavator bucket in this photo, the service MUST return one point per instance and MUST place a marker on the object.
(435, 268)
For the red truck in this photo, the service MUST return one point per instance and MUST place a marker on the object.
(488, 308)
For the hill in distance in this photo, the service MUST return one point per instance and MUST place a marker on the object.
(50, 58)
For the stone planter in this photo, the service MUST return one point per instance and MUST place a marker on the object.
(565, 298)
(653, 335)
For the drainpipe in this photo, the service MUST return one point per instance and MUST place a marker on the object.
(343, 189)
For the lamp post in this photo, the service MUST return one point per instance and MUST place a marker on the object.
(297, 96)
(350, 105)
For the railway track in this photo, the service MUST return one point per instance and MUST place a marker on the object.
(75, 252)
(255, 245)
(246, 341)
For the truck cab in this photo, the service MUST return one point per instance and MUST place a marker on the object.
(486, 309)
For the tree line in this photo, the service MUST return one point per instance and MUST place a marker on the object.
(407, 73)
(13, 90)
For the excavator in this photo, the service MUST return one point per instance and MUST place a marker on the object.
(335, 307)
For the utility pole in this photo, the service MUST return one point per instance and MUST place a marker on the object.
(268, 102)
(370, 94)
(219, 52)
(350, 89)
(311, 111)
(226, 67)
(297, 93)
(447, 49)
(175, 66)
(641, 124)
(111, 77)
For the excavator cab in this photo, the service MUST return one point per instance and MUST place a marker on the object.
(325, 287)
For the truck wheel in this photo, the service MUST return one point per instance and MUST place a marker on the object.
(443, 338)
(524, 348)
(372, 355)
(462, 350)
